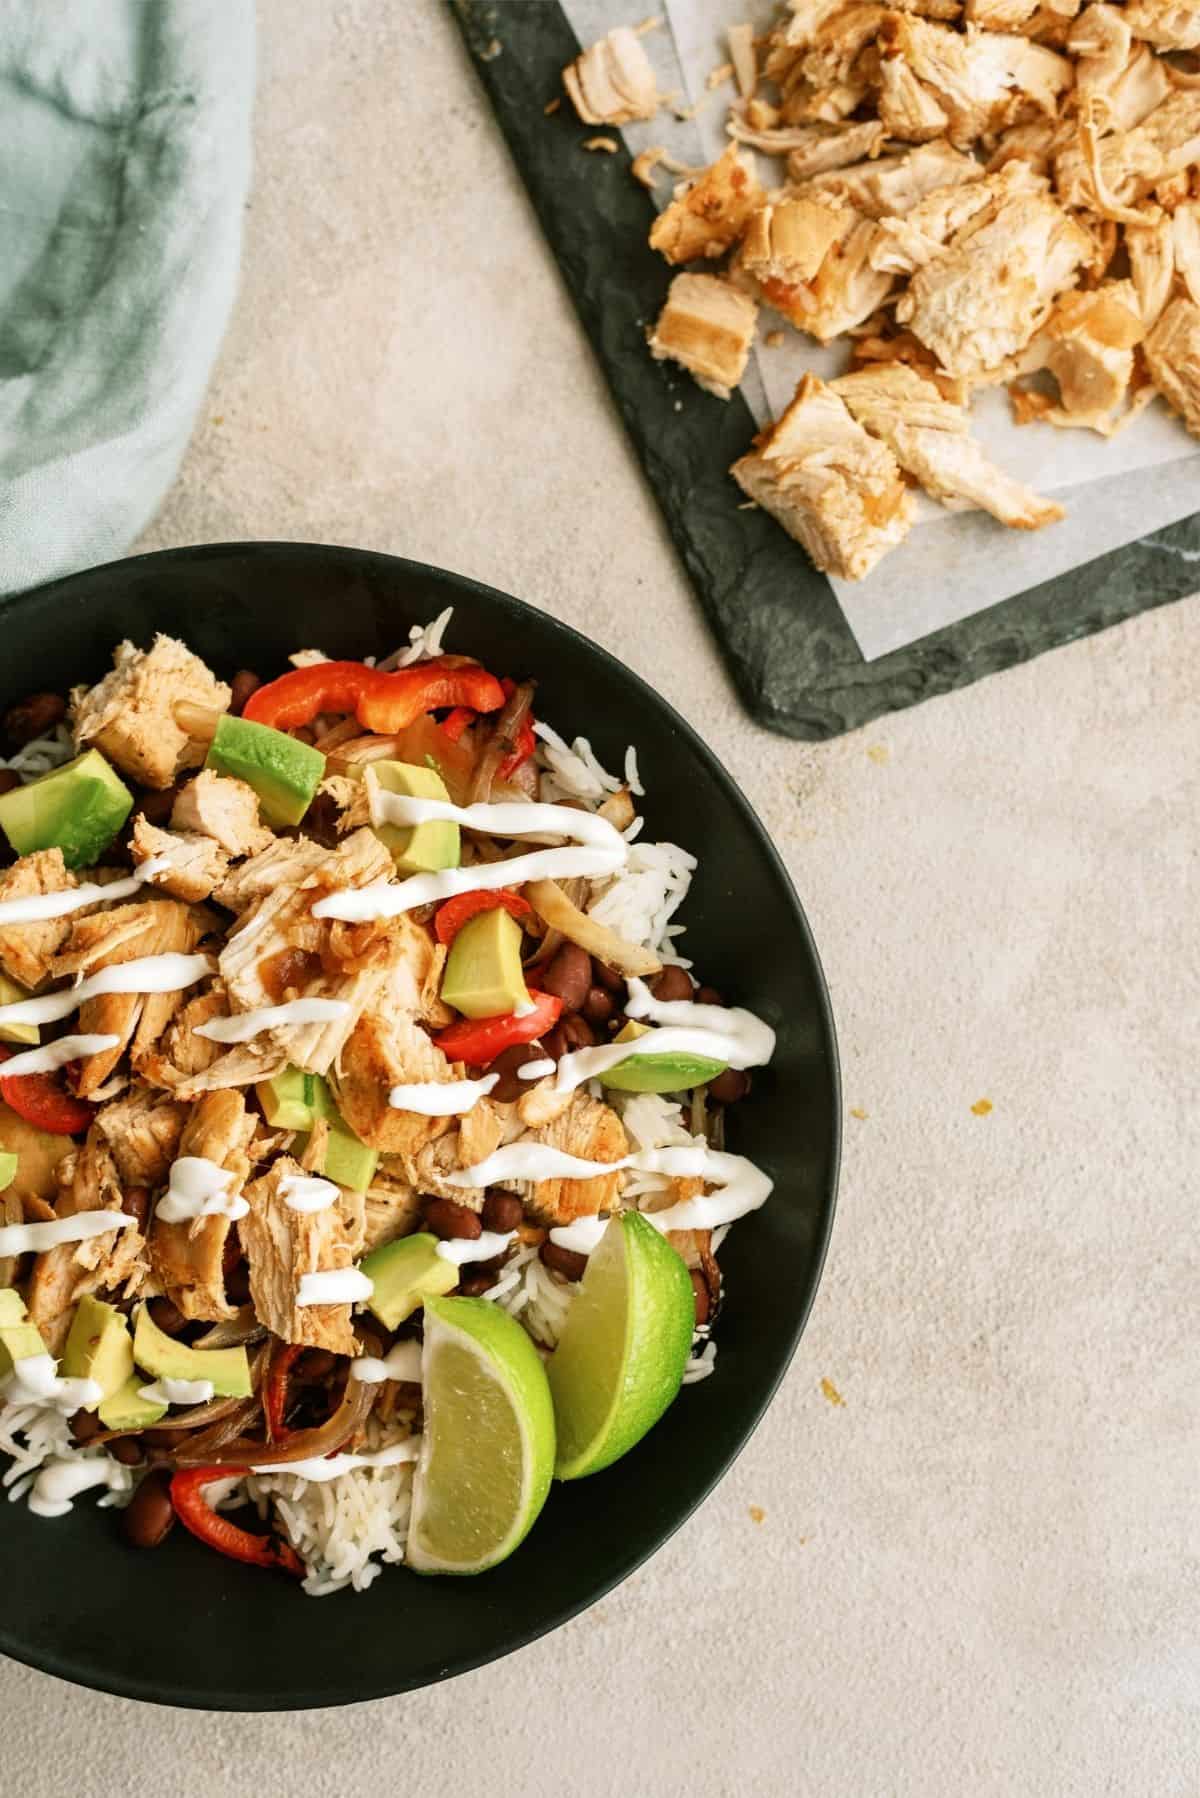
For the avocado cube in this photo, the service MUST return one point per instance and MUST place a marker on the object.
(405, 1274)
(78, 808)
(651, 1073)
(283, 772)
(12, 1306)
(287, 1101)
(126, 1409)
(483, 977)
(416, 848)
(98, 1346)
(348, 1160)
(166, 1359)
(8, 1171)
(19, 1342)
(12, 994)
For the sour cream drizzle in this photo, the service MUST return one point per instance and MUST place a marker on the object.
(334, 1286)
(34, 908)
(56, 1055)
(150, 974)
(31, 1239)
(444, 1099)
(61, 1481)
(34, 1380)
(402, 1362)
(333, 1466)
(743, 1187)
(166, 1391)
(480, 1248)
(245, 1024)
(599, 850)
(199, 1188)
(535, 1070)
(305, 1192)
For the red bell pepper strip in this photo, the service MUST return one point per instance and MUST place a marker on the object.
(457, 721)
(478, 1041)
(43, 1100)
(198, 1516)
(275, 1394)
(464, 906)
(384, 703)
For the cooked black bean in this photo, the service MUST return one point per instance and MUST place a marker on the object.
(509, 1087)
(608, 977)
(502, 1211)
(576, 1032)
(599, 1005)
(9, 781)
(149, 1515)
(729, 1087)
(569, 975)
(673, 983)
(448, 1219)
(243, 684)
(85, 1425)
(563, 1261)
(32, 717)
(127, 1450)
(702, 1298)
(708, 995)
(168, 1317)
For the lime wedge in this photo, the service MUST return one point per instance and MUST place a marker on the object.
(623, 1349)
(487, 1455)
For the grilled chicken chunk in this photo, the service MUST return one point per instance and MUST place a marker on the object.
(612, 82)
(706, 326)
(828, 482)
(195, 864)
(180, 1054)
(104, 940)
(28, 950)
(890, 186)
(593, 1131)
(116, 1261)
(1168, 24)
(188, 1258)
(285, 861)
(1173, 358)
(281, 1246)
(387, 1048)
(942, 83)
(1088, 345)
(708, 217)
(226, 810)
(393, 1208)
(129, 716)
(142, 1128)
(1110, 173)
(834, 147)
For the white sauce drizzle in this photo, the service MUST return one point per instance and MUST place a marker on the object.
(305, 1192)
(334, 1286)
(34, 1380)
(35, 908)
(246, 1024)
(56, 1055)
(600, 851)
(199, 1188)
(333, 1466)
(166, 1391)
(444, 1099)
(61, 1481)
(742, 1186)
(479, 1248)
(402, 1362)
(535, 1070)
(32, 1239)
(730, 1035)
(151, 974)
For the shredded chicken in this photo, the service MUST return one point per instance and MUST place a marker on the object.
(591, 1130)
(226, 810)
(142, 1128)
(1173, 359)
(115, 1261)
(832, 486)
(392, 1208)
(706, 326)
(27, 951)
(281, 1246)
(891, 186)
(1088, 345)
(612, 81)
(188, 1259)
(194, 864)
(711, 212)
(130, 715)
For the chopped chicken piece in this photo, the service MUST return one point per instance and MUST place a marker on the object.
(972, 84)
(1000, 15)
(711, 213)
(901, 346)
(788, 241)
(1185, 237)
(744, 58)
(130, 715)
(217, 806)
(481, 1131)
(612, 82)
(181, 1053)
(833, 51)
(1173, 358)
(1087, 344)
(1170, 24)
(27, 950)
(188, 1258)
(1034, 142)
(825, 149)
(1126, 165)
(908, 108)
(905, 244)
(1151, 250)
(846, 290)
(387, 1048)
(928, 436)
(106, 939)
(244, 1065)
(892, 185)
(829, 483)
(1101, 40)
(593, 1131)
(706, 326)
(982, 299)
(281, 1246)
(393, 1208)
(195, 865)
(286, 861)
(116, 1260)
(142, 1128)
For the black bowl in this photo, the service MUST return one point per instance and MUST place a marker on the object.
(76, 1599)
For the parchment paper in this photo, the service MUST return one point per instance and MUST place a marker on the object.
(952, 563)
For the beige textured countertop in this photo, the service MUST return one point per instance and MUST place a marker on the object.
(978, 1574)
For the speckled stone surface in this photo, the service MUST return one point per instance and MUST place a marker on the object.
(978, 1574)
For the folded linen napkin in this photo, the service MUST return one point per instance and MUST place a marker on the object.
(124, 165)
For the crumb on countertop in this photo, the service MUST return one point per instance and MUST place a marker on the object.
(831, 1392)
(981, 1107)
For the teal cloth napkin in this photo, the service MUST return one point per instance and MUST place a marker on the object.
(124, 165)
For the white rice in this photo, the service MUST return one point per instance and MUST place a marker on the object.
(633, 779)
(701, 1363)
(44, 753)
(35, 1434)
(424, 642)
(307, 658)
(571, 770)
(640, 902)
(537, 1298)
(338, 1527)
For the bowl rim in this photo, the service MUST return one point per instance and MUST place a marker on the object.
(150, 1690)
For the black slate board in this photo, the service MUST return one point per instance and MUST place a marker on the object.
(778, 622)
